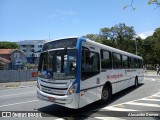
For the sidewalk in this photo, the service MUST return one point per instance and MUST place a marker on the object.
(153, 73)
(18, 84)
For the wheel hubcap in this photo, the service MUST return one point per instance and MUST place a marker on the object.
(105, 94)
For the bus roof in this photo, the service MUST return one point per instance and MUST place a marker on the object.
(99, 45)
(105, 47)
(61, 39)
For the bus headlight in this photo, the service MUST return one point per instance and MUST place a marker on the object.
(72, 89)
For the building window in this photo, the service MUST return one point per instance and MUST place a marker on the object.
(16, 55)
(32, 46)
(32, 50)
(39, 46)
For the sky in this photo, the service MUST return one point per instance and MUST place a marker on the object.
(51, 19)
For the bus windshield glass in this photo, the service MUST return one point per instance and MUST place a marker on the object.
(58, 64)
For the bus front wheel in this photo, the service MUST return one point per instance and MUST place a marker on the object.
(106, 93)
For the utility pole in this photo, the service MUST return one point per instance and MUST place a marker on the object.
(136, 45)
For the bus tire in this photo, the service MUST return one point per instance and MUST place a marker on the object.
(106, 93)
(136, 82)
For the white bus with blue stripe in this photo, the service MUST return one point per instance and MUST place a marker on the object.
(74, 72)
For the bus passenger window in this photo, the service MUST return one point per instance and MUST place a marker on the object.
(125, 61)
(117, 61)
(90, 64)
(106, 59)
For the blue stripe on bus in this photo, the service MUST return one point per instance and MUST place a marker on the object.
(78, 77)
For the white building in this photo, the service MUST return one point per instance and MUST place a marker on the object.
(30, 47)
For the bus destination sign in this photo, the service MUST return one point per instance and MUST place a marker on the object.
(64, 43)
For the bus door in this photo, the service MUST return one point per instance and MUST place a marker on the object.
(90, 74)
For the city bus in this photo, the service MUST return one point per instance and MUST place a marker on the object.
(74, 72)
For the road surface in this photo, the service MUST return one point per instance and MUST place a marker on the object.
(143, 99)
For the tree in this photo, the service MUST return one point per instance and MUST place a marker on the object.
(91, 36)
(150, 49)
(156, 2)
(119, 35)
(8, 45)
(150, 2)
(123, 37)
(156, 45)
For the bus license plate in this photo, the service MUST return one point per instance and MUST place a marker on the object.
(51, 99)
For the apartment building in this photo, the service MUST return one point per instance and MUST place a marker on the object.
(31, 48)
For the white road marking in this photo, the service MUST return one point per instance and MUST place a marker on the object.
(17, 94)
(108, 118)
(18, 103)
(153, 79)
(133, 102)
(151, 99)
(156, 95)
(142, 104)
(117, 109)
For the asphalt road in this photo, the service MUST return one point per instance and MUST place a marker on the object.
(144, 98)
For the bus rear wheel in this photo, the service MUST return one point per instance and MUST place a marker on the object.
(106, 94)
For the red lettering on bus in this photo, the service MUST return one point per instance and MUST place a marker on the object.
(114, 76)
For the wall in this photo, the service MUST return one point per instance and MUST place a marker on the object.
(17, 75)
(6, 56)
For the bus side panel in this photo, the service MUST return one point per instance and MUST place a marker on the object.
(88, 86)
(141, 75)
(99, 92)
(73, 101)
(87, 97)
(118, 79)
(88, 93)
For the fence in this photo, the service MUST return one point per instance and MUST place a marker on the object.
(17, 75)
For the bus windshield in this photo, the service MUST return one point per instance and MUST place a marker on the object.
(58, 64)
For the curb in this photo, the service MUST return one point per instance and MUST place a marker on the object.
(27, 86)
(17, 87)
(152, 76)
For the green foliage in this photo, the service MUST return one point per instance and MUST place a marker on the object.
(123, 37)
(150, 2)
(8, 45)
(157, 2)
(29, 66)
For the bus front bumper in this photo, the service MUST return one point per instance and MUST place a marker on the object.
(66, 101)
